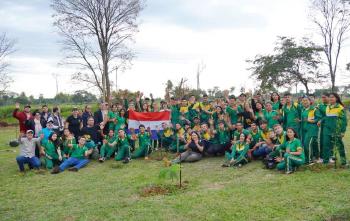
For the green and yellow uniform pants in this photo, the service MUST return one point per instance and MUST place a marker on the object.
(330, 142)
(142, 151)
(290, 162)
(107, 151)
(311, 147)
(123, 152)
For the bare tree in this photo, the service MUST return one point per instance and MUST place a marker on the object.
(97, 34)
(6, 48)
(332, 17)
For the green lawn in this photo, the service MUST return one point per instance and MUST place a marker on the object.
(109, 192)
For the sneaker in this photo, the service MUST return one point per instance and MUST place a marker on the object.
(55, 170)
(319, 161)
(225, 165)
(289, 172)
(101, 159)
(331, 161)
(240, 165)
(175, 161)
(146, 158)
(126, 160)
(73, 169)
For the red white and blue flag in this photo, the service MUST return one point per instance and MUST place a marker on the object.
(152, 120)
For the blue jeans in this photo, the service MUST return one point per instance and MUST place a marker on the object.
(33, 162)
(263, 151)
(75, 162)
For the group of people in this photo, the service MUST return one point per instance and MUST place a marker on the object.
(283, 132)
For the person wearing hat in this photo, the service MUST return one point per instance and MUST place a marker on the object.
(23, 117)
(47, 130)
(27, 151)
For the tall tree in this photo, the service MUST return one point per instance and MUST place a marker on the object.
(332, 18)
(290, 64)
(6, 48)
(96, 36)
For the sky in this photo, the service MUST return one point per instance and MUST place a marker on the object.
(174, 37)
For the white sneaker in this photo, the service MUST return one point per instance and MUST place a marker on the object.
(319, 161)
(331, 161)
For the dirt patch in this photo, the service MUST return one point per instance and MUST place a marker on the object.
(4, 124)
(342, 217)
(155, 190)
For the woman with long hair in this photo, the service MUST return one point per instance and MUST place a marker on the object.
(51, 151)
(335, 123)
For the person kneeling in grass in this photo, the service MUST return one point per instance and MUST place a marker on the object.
(144, 138)
(77, 159)
(51, 151)
(239, 154)
(294, 153)
(109, 146)
(123, 147)
(27, 151)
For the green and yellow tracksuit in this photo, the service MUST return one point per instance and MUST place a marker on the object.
(221, 137)
(178, 144)
(204, 116)
(175, 114)
(290, 116)
(144, 147)
(233, 113)
(309, 133)
(239, 153)
(51, 156)
(276, 106)
(236, 134)
(269, 116)
(108, 149)
(166, 137)
(121, 121)
(123, 148)
(66, 150)
(112, 115)
(335, 123)
(322, 114)
(256, 137)
(290, 161)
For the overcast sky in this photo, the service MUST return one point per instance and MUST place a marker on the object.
(174, 37)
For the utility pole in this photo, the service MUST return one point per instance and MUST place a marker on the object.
(116, 79)
(200, 69)
(55, 75)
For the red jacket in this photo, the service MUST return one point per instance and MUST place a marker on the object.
(21, 117)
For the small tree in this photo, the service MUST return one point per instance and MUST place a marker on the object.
(6, 48)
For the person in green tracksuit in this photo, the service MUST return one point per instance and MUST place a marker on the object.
(309, 131)
(144, 141)
(120, 122)
(205, 109)
(270, 115)
(165, 135)
(291, 114)
(275, 102)
(322, 112)
(66, 139)
(123, 147)
(232, 110)
(109, 146)
(239, 154)
(112, 116)
(52, 152)
(179, 140)
(280, 133)
(175, 111)
(239, 130)
(294, 153)
(335, 123)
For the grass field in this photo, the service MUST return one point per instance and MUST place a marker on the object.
(110, 192)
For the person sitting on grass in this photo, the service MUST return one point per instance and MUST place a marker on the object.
(239, 154)
(66, 139)
(77, 159)
(294, 153)
(123, 147)
(144, 139)
(27, 151)
(109, 146)
(194, 150)
(51, 151)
